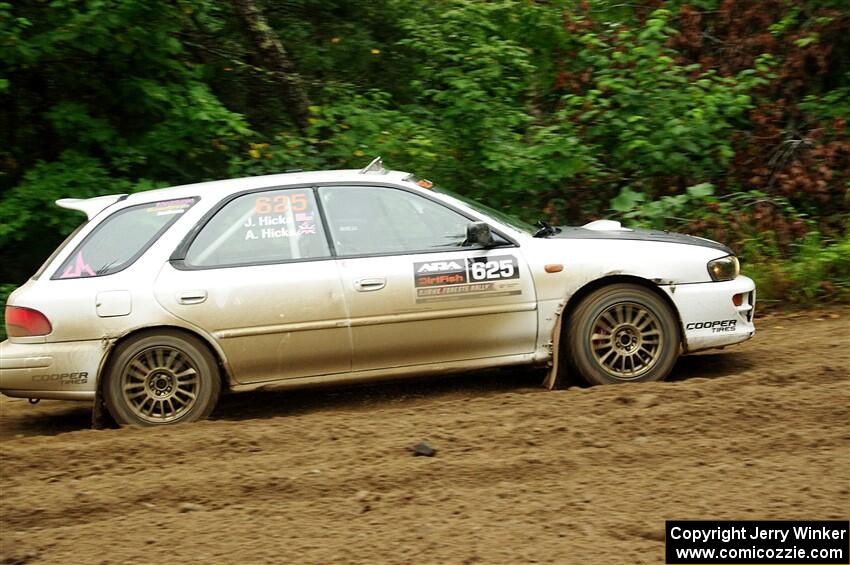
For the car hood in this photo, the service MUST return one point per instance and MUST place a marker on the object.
(613, 230)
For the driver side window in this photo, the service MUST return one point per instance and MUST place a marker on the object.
(366, 220)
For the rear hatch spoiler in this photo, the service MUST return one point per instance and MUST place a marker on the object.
(91, 207)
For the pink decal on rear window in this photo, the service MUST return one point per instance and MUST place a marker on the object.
(79, 269)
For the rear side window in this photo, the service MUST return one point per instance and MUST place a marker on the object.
(58, 250)
(260, 228)
(120, 239)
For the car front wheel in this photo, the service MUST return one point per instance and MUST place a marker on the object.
(622, 333)
(162, 378)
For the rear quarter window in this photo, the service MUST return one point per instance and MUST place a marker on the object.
(261, 228)
(58, 250)
(121, 238)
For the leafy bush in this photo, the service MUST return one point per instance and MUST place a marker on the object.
(5, 291)
(817, 271)
(724, 119)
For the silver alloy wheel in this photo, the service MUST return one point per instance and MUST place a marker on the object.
(160, 384)
(626, 340)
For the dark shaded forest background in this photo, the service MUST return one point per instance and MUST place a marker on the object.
(721, 118)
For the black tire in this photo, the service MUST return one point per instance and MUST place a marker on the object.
(622, 333)
(162, 378)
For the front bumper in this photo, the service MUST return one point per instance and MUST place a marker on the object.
(709, 317)
(63, 370)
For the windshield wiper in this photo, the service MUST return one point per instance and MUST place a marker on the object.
(545, 230)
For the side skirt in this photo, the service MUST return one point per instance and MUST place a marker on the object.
(357, 377)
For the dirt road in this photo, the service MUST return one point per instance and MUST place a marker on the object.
(522, 475)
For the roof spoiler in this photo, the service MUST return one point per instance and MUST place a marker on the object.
(375, 166)
(91, 207)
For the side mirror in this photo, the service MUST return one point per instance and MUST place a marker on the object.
(478, 233)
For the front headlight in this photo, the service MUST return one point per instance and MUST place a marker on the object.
(724, 269)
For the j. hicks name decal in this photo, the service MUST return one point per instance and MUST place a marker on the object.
(469, 277)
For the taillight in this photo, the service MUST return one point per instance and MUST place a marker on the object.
(26, 322)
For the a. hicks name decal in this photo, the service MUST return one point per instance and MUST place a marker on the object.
(469, 277)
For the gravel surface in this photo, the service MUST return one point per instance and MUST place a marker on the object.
(520, 474)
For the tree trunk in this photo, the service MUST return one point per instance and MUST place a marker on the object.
(275, 58)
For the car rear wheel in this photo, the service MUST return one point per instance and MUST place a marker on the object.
(622, 333)
(160, 379)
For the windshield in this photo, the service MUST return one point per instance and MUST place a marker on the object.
(507, 219)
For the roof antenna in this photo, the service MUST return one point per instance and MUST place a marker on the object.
(376, 166)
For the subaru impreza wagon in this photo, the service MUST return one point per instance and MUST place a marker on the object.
(164, 299)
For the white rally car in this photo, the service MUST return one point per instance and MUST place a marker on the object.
(167, 297)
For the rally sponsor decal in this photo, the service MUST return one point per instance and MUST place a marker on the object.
(468, 277)
(169, 207)
(79, 378)
(716, 326)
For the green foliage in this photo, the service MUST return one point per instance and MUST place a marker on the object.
(820, 267)
(666, 211)
(817, 271)
(833, 104)
(346, 133)
(122, 87)
(31, 203)
(650, 116)
(5, 291)
(676, 118)
(473, 75)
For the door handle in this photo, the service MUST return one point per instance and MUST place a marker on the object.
(372, 283)
(192, 297)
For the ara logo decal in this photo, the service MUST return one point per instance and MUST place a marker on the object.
(438, 267)
(438, 273)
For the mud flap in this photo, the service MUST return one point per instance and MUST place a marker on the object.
(552, 376)
(100, 418)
